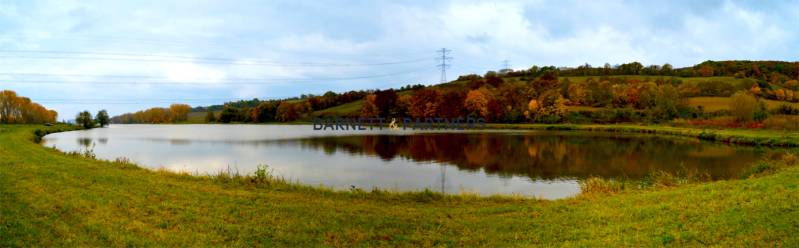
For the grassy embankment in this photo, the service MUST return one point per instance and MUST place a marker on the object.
(48, 198)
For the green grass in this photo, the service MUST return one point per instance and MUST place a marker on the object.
(346, 109)
(48, 198)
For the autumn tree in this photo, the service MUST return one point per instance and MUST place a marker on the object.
(17, 109)
(424, 103)
(476, 102)
(288, 111)
(452, 104)
(549, 107)
(179, 112)
(369, 109)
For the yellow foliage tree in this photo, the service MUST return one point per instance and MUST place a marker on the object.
(16, 109)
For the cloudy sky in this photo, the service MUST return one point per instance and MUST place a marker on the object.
(125, 56)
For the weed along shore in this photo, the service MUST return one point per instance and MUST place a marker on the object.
(50, 198)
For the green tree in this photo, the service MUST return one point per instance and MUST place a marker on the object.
(228, 114)
(84, 119)
(102, 118)
(667, 101)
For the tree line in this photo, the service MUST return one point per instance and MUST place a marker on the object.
(175, 113)
(16, 109)
(760, 70)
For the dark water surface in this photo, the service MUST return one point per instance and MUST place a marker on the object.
(546, 164)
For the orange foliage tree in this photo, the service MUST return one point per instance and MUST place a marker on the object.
(424, 103)
(477, 101)
(16, 109)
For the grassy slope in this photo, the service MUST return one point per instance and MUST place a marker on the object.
(52, 199)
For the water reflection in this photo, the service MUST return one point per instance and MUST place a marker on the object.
(545, 164)
(551, 155)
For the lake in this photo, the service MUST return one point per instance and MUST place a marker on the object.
(547, 164)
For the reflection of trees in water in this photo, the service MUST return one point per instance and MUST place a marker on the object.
(85, 142)
(550, 156)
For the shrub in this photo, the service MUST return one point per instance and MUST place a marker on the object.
(595, 185)
(743, 106)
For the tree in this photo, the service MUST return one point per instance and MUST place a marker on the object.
(743, 106)
(102, 118)
(666, 69)
(476, 102)
(706, 71)
(386, 102)
(452, 104)
(229, 114)
(667, 102)
(550, 106)
(599, 94)
(17, 109)
(288, 111)
(210, 117)
(179, 112)
(424, 103)
(369, 109)
(84, 119)
(265, 111)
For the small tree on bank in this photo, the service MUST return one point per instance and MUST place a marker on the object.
(102, 118)
(746, 108)
(85, 119)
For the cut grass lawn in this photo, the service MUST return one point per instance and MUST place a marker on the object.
(48, 198)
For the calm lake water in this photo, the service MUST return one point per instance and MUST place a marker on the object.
(546, 164)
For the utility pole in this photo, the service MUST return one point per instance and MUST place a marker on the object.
(444, 58)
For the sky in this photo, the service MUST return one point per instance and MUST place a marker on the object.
(125, 56)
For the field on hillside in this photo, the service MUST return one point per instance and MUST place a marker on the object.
(723, 103)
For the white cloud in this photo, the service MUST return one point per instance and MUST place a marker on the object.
(481, 35)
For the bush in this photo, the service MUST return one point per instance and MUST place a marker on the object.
(744, 106)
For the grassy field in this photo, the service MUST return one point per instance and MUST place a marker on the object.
(48, 198)
(723, 103)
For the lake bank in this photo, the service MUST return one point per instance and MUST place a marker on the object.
(54, 199)
(536, 163)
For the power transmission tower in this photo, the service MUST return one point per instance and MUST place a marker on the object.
(505, 65)
(444, 58)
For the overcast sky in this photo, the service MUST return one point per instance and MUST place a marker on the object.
(126, 56)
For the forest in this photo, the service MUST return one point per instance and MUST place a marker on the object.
(628, 92)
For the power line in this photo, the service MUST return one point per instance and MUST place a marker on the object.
(240, 81)
(134, 57)
(444, 58)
